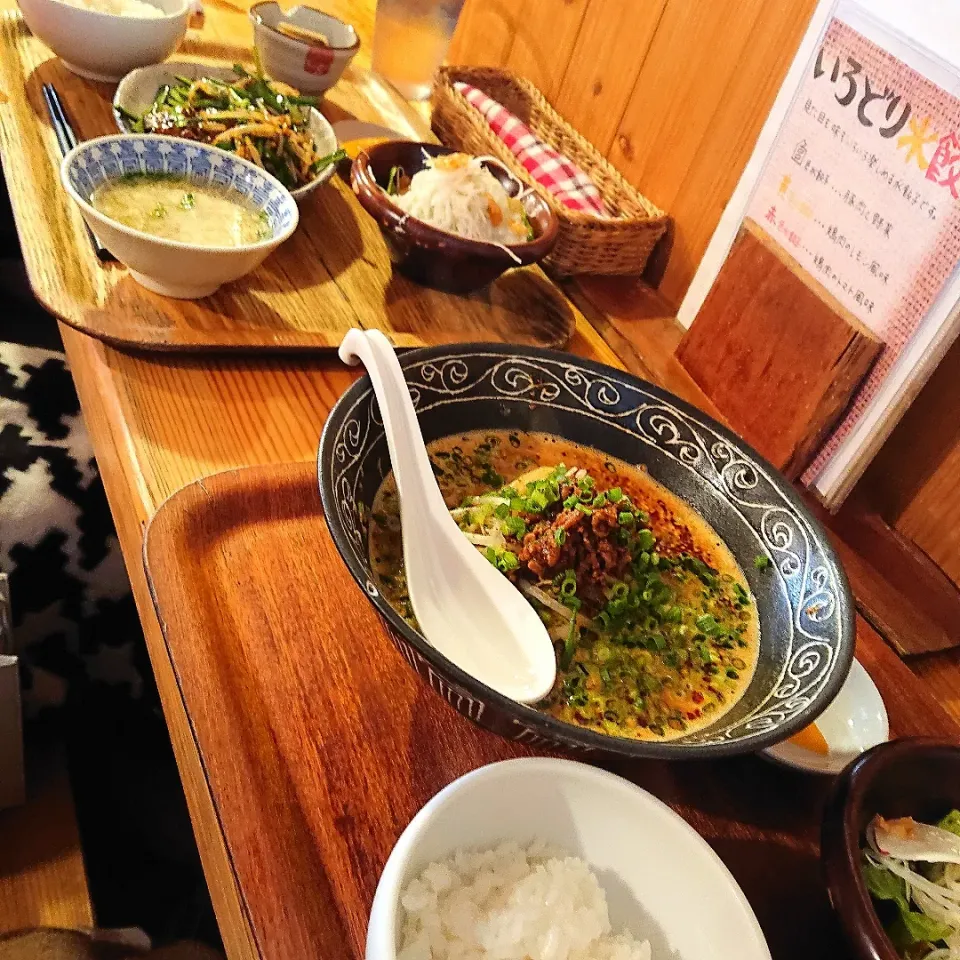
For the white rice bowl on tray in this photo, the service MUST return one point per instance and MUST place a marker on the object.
(555, 860)
(106, 39)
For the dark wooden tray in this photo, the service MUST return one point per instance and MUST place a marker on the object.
(319, 744)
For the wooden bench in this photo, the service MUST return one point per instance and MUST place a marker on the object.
(42, 878)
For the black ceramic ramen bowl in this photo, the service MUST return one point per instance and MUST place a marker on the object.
(806, 613)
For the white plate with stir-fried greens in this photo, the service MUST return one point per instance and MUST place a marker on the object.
(255, 118)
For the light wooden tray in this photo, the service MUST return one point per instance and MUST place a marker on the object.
(319, 744)
(333, 274)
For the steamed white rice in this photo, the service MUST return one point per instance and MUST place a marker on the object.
(122, 8)
(510, 903)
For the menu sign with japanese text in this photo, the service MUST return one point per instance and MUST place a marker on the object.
(862, 188)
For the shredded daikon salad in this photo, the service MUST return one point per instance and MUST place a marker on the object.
(456, 193)
(918, 900)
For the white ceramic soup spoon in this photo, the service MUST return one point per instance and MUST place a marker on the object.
(468, 610)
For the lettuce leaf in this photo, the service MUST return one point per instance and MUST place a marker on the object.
(884, 885)
(951, 822)
(911, 928)
(908, 927)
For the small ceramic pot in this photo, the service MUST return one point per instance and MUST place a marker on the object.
(311, 68)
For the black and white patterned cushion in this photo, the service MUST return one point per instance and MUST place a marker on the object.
(73, 616)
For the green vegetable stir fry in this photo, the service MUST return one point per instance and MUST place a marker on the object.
(260, 120)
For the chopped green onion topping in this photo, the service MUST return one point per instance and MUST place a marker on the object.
(618, 590)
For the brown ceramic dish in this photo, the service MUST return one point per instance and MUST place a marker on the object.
(917, 778)
(432, 256)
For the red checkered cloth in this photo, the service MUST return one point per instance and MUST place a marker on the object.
(552, 170)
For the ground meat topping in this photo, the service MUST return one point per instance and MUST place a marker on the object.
(584, 544)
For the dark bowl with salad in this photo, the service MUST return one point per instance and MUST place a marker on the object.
(890, 848)
(441, 258)
(696, 607)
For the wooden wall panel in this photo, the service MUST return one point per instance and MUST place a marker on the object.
(694, 53)
(485, 32)
(915, 479)
(543, 42)
(610, 51)
(674, 91)
(716, 159)
(533, 38)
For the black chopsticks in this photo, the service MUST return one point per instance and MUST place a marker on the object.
(67, 140)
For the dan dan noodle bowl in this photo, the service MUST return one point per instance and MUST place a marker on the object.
(655, 630)
(176, 208)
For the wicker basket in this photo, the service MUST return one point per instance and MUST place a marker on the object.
(585, 243)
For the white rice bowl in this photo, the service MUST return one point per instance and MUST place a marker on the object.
(662, 882)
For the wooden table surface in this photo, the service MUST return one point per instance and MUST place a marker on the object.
(159, 422)
(43, 882)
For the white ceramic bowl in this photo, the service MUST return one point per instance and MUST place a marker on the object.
(136, 92)
(176, 269)
(311, 69)
(662, 881)
(105, 46)
(853, 723)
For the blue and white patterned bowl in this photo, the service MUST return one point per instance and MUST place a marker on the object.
(806, 613)
(167, 266)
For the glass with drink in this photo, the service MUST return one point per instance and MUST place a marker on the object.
(410, 40)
